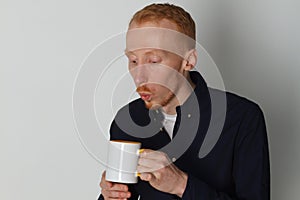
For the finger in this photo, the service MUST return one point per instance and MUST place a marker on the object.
(113, 194)
(148, 153)
(153, 165)
(144, 169)
(154, 155)
(113, 186)
(119, 187)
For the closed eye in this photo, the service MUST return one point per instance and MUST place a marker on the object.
(155, 60)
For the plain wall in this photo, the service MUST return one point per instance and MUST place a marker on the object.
(255, 44)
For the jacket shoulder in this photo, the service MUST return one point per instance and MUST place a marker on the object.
(242, 103)
(237, 107)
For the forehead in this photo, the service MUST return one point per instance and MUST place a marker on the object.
(152, 35)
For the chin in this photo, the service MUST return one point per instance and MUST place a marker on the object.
(152, 106)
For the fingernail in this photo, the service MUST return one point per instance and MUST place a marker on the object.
(141, 150)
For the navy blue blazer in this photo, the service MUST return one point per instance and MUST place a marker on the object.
(237, 167)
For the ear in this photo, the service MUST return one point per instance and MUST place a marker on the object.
(190, 60)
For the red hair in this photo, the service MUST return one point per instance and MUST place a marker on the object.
(175, 14)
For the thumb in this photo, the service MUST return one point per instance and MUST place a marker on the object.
(146, 176)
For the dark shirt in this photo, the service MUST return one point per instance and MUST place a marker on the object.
(237, 167)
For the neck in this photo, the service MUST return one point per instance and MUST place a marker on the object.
(181, 95)
(170, 108)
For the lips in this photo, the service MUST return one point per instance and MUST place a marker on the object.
(145, 96)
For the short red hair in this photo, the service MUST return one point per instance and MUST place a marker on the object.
(176, 14)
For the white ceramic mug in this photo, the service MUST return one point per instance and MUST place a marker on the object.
(122, 160)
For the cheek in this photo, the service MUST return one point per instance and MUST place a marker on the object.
(175, 62)
(162, 91)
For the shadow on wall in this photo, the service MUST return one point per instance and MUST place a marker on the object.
(255, 45)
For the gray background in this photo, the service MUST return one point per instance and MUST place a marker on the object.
(43, 43)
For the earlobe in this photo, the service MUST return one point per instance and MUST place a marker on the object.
(191, 60)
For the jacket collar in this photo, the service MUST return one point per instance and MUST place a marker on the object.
(200, 92)
(190, 109)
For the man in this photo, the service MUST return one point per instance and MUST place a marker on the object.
(176, 103)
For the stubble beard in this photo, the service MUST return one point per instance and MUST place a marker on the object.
(156, 105)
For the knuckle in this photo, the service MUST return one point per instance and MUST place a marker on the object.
(140, 161)
(102, 184)
(111, 193)
(165, 157)
(120, 195)
(125, 187)
(121, 187)
(158, 181)
(159, 173)
(116, 194)
(139, 168)
(162, 154)
(160, 166)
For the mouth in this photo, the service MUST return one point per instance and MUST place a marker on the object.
(145, 96)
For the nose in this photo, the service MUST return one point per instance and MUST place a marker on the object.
(139, 74)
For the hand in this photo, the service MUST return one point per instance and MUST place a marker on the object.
(113, 190)
(162, 174)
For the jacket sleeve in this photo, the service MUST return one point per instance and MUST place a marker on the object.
(251, 169)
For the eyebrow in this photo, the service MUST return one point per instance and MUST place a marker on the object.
(126, 52)
(151, 51)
